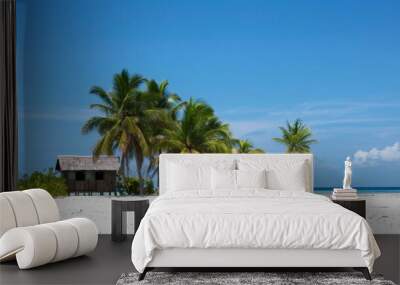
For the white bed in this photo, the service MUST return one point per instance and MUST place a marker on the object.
(281, 225)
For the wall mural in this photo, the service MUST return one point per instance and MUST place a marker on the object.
(180, 76)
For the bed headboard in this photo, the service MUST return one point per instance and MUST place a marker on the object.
(215, 159)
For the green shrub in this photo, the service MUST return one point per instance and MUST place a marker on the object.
(130, 185)
(149, 188)
(49, 181)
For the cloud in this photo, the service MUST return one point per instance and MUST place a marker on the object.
(389, 153)
(314, 109)
(348, 121)
(326, 118)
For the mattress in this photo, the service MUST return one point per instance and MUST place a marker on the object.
(250, 219)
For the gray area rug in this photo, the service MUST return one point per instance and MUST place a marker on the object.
(228, 278)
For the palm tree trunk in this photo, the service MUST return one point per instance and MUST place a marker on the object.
(139, 165)
(153, 173)
(122, 165)
(149, 169)
(152, 167)
(127, 165)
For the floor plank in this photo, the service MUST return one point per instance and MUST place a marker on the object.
(389, 262)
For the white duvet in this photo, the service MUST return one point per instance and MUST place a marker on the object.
(250, 219)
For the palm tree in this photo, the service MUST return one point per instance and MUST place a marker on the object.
(245, 146)
(122, 120)
(166, 106)
(296, 137)
(197, 130)
(163, 98)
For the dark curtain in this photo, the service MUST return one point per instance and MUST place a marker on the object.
(8, 100)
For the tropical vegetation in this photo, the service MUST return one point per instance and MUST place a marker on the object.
(297, 137)
(130, 119)
(131, 186)
(246, 146)
(197, 129)
(49, 180)
(140, 118)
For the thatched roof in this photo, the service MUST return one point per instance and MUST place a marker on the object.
(76, 162)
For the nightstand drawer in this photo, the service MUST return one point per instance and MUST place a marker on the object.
(357, 206)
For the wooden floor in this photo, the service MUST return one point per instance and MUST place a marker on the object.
(111, 259)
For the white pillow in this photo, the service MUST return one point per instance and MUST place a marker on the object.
(251, 178)
(223, 179)
(281, 174)
(184, 178)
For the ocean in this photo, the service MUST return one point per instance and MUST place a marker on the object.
(363, 189)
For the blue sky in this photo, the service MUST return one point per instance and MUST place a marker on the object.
(334, 64)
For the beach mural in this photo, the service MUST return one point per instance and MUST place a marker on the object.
(138, 78)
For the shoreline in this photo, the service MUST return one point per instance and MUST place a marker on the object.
(361, 189)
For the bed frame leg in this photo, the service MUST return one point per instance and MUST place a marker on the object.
(364, 271)
(143, 274)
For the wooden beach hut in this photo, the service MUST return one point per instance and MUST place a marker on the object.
(86, 175)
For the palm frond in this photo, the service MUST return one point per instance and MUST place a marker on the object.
(102, 108)
(100, 92)
(92, 123)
